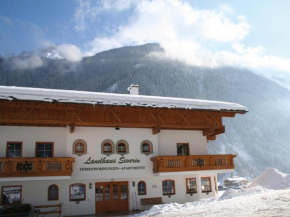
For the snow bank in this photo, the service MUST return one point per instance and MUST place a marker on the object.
(272, 179)
(174, 207)
(255, 199)
(231, 193)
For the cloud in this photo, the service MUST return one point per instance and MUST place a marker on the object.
(30, 62)
(184, 32)
(69, 52)
(88, 11)
(210, 38)
(83, 11)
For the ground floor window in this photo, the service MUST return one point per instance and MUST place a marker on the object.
(141, 188)
(205, 185)
(77, 192)
(168, 187)
(53, 192)
(191, 186)
(11, 194)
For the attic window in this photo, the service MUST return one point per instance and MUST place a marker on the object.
(107, 147)
(79, 147)
(122, 147)
(146, 147)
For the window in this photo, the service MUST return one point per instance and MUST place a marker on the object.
(11, 194)
(168, 187)
(146, 147)
(44, 149)
(53, 192)
(79, 147)
(122, 147)
(205, 185)
(107, 147)
(141, 188)
(14, 149)
(182, 149)
(77, 192)
(191, 186)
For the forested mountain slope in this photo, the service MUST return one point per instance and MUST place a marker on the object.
(260, 138)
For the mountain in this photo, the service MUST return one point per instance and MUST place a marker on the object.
(49, 53)
(260, 138)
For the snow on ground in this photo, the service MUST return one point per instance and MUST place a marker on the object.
(258, 200)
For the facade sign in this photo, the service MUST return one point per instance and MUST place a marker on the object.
(104, 160)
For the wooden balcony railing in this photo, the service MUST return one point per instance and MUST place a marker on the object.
(192, 163)
(32, 167)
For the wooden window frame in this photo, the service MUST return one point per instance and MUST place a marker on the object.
(85, 194)
(126, 147)
(84, 144)
(145, 187)
(36, 144)
(187, 189)
(150, 147)
(48, 197)
(122, 152)
(8, 187)
(182, 143)
(21, 145)
(107, 152)
(173, 187)
(209, 184)
(83, 147)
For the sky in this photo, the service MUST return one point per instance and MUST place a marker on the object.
(211, 33)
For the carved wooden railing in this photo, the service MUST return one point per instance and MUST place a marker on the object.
(192, 163)
(32, 166)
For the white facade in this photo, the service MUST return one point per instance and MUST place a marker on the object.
(34, 189)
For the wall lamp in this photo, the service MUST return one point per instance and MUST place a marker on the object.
(90, 185)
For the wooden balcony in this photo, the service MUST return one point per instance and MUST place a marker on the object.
(33, 167)
(192, 163)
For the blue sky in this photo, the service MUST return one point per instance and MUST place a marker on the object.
(246, 33)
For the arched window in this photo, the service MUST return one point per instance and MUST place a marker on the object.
(77, 192)
(146, 147)
(168, 187)
(122, 147)
(141, 188)
(107, 147)
(79, 147)
(53, 192)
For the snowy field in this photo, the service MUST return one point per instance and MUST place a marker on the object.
(268, 195)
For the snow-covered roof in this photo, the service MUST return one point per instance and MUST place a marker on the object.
(95, 98)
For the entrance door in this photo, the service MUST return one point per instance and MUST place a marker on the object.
(111, 197)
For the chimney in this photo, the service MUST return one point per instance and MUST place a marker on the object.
(134, 89)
